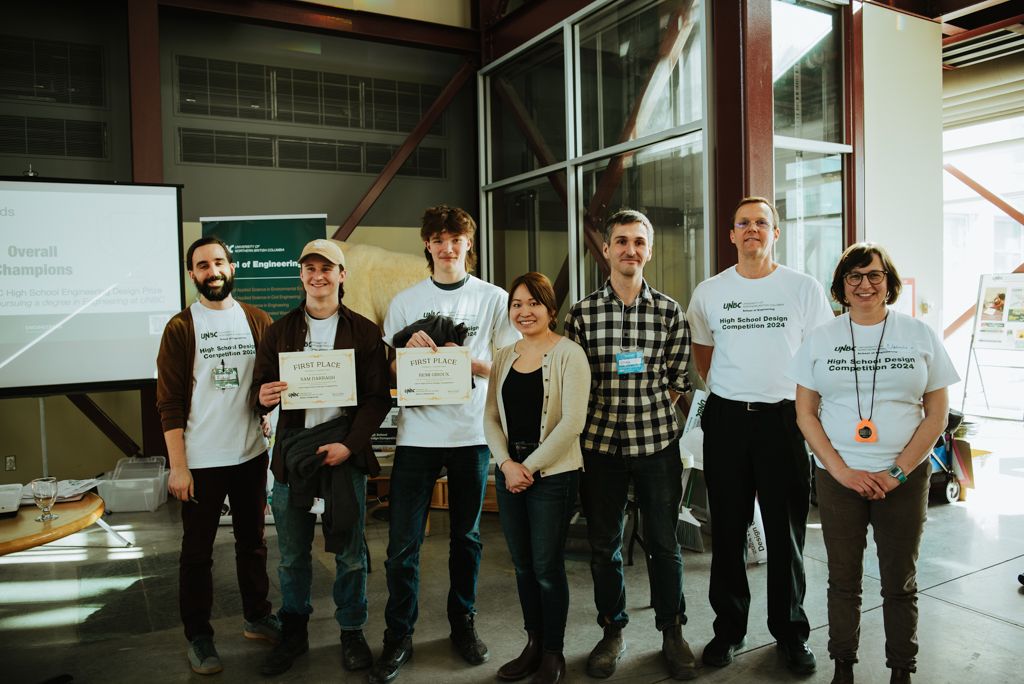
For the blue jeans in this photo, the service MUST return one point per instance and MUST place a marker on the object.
(657, 486)
(295, 530)
(535, 523)
(413, 475)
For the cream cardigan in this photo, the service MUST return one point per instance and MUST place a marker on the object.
(566, 374)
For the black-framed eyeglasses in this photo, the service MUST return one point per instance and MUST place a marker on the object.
(874, 277)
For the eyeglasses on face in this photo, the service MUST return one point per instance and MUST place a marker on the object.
(762, 224)
(874, 277)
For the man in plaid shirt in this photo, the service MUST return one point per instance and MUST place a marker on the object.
(638, 342)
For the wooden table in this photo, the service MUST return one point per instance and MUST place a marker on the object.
(23, 532)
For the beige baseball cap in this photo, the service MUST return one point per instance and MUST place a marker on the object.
(328, 249)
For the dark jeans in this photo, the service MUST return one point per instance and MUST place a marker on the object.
(413, 475)
(897, 522)
(246, 485)
(535, 523)
(762, 453)
(295, 531)
(657, 486)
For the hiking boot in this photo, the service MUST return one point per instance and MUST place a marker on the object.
(681, 662)
(355, 652)
(267, 628)
(466, 641)
(605, 656)
(202, 656)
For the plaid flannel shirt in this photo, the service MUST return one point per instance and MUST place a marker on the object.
(632, 412)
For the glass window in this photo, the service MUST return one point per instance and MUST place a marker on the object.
(527, 111)
(665, 182)
(809, 197)
(807, 62)
(529, 233)
(640, 70)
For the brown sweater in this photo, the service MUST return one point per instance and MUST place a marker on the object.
(373, 391)
(176, 360)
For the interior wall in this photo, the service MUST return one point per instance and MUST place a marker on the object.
(450, 12)
(903, 148)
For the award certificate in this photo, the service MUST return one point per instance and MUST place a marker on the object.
(318, 379)
(430, 378)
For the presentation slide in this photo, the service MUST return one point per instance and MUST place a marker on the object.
(89, 276)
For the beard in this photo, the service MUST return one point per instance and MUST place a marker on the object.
(216, 293)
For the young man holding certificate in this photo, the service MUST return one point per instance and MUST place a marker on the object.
(215, 447)
(323, 451)
(437, 436)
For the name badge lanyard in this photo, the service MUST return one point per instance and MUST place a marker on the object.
(628, 360)
(866, 430)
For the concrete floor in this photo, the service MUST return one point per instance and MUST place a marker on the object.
(106, 614)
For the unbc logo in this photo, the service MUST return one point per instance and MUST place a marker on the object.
(843, 347)
(731, 305)
(208, 335)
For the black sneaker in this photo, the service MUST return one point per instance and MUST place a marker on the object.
(466, 641)
(719, 652)
(355, 652)
(294, 642)
(392, 657)
(798, 655)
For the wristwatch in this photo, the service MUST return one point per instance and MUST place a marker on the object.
(898, 473)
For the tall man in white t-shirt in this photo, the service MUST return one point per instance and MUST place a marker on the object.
(747, 322)
(434, 437)
(337, 441)
(215, 446)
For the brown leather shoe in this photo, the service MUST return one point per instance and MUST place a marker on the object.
(552, 669)
(524, 665)
(605, 656)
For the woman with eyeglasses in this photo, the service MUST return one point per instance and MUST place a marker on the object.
(871, 401)
(536, 409)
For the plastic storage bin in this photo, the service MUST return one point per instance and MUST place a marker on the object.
(135, 484)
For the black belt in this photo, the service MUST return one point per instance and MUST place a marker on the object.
(757, 405)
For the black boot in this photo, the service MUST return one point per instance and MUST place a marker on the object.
(552, 669)
(294, 642)
(467, 643)
(527, 662)
(355, 652)
(844, 672)
(394, 654)
(899, 675)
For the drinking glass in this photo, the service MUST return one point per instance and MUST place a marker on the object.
(44, 491)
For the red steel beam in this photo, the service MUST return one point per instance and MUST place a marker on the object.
(359, 24)
(387, 174)
(144, 87)
(524, 23)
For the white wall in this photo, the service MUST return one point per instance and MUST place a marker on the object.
(903, 148)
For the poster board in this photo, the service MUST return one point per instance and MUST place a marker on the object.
(266, 251)
(999, 323)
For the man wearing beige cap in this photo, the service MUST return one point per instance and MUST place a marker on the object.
(341, 437)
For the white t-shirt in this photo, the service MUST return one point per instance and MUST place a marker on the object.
(482, 308)
(222, 429)
(320, 335)
(755, 326)
(912, 362)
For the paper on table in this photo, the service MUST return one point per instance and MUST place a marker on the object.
(67, 490)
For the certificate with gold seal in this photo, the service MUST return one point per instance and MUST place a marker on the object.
(318, 379)
(430, 378)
